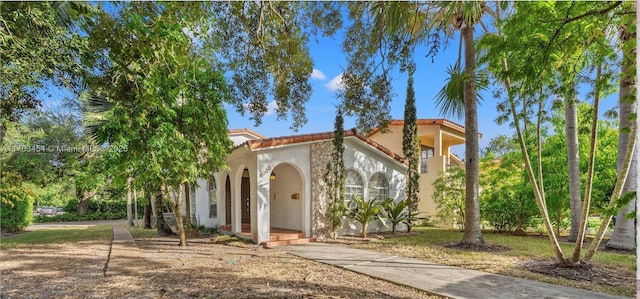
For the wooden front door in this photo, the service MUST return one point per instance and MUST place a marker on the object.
(227, 201)
(245, 203)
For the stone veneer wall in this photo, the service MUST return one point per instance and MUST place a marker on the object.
(320, 221)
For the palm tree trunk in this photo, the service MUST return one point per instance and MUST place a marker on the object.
(472, 229)
(571, 129)
(624, 233)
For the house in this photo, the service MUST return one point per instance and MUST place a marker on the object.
(277, 184)
(436, 137)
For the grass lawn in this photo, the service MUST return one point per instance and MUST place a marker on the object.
(141, 233)
(63, 235)
(430, 246)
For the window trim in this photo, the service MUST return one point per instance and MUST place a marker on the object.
(347, 198)
(424, 162)
(386, 186)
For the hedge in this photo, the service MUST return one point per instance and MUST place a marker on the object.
(16, 209)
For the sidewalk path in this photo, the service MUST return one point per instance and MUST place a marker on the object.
(433, 278)
(124, 256)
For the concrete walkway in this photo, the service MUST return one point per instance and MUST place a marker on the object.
(124, 256)
(433, 278)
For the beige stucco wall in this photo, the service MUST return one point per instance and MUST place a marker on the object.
(441, 139)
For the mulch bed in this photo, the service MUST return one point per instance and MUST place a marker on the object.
(582, 272)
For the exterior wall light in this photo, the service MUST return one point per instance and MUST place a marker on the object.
(272, 176)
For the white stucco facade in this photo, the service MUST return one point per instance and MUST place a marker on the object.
(278, 184)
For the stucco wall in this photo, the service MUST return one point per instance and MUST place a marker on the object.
(368, 162)
(429, 135)
(286, 212)
(202, 203)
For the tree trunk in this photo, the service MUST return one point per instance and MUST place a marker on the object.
(364, 230)
(191, 231)
(621, 179)
(147, 216)
(161, 225)
(538, 191)
(624, 232)
(177, 210)
(129, 205)
(3, 131)
(83, 201)
(575, 259)
(472, 229)
(187, 202)
(571, 129)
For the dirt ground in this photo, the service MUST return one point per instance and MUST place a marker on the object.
(164, 270)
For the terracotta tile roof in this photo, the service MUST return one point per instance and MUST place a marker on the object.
(285, 140)
(248, 131)
(426, 121)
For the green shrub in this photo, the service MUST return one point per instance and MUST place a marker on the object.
(16, 208)
(364, 211)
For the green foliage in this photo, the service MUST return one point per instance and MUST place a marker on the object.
(70, 217)
(449, 196)
(103, 206)
(16, 204)
(506, 198)
(38, 49)
(364, 211)
(267, 44)
(397, 212)
(335, 175)
(411, 150)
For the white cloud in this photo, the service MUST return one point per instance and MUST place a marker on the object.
(317, 74)
(271, 108)
(336, 83)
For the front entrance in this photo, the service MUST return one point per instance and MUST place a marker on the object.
(286, 198)
(245, 202)
(227, 201)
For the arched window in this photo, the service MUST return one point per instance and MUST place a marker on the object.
(213, 199)
(378, 186)
(354, 185)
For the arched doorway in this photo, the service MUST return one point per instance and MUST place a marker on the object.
(286, 200)
(245, 197)
(227, 201)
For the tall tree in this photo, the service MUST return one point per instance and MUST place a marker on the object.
(267, 43)
(623, 236)
(392, 31)
(553, 44)
(39, 48)
(335, 175)
(411, 149)
(166, 100)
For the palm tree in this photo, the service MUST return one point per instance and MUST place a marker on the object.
(397, 28)
(623, 236)
(463, 16)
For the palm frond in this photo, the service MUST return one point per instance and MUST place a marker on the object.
(450, 98)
